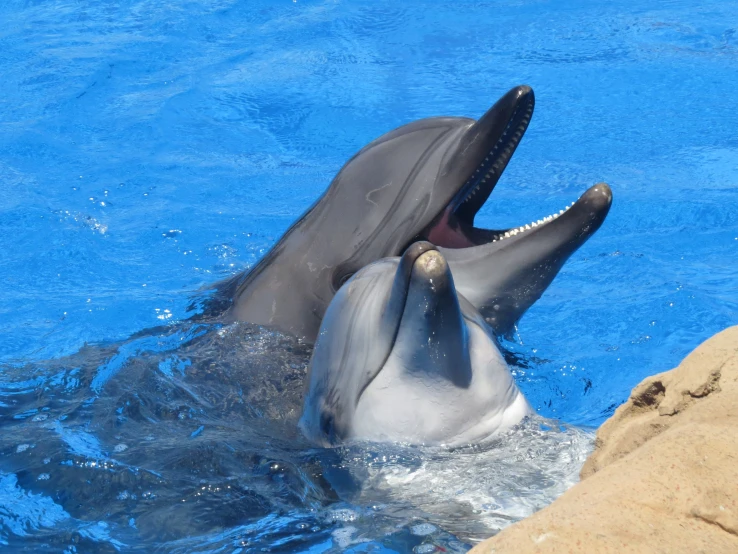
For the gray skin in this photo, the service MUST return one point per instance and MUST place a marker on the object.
(423, 181)
(504, 277)
(402, 357)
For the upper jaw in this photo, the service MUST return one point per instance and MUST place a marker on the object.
(486, 148)
(422, 277)
(431, 332)
(475, 165)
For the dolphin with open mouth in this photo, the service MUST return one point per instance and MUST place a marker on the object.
(425, 180)
(402, 357)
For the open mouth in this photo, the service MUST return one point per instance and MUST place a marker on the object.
(590, 207)
(474, 193)
(497, 135)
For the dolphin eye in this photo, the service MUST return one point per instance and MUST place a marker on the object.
(345, 278)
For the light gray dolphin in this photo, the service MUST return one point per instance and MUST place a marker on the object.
(402, 357)
(424, 180)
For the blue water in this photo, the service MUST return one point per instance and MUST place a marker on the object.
(150, 149)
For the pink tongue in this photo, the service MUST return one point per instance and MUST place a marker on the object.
(444, 234)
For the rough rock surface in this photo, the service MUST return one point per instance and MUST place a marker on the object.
(664, 473)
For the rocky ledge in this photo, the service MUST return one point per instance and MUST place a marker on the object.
(664, 473)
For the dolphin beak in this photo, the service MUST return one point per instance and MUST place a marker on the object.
(474, 166)
(505, 277)
(432, 331)
(487, 147)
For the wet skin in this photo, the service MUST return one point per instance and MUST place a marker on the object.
(402, 357)
(426, 180)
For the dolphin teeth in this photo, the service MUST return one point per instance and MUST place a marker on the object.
(561, 212)
(534, 224)
(507, 234)
(527, 226)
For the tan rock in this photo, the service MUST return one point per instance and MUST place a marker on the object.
(664, 473)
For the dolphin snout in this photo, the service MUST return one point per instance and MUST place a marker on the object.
(521, 91)
(432, 274)
(415, 250)
(431, 264)
(410, 256)
(600, 196)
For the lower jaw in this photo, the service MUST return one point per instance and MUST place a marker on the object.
(449, 232)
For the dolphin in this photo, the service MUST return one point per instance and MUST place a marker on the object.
(402, 356)
(425, 180)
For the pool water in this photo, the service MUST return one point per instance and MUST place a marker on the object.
(150, 149)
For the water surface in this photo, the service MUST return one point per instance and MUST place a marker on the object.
(149, 149)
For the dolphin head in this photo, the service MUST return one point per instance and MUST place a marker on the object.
(424, 181)
(427, 180)
(401, 356)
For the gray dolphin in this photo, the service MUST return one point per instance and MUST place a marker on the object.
(424, 180)
(402, 357)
